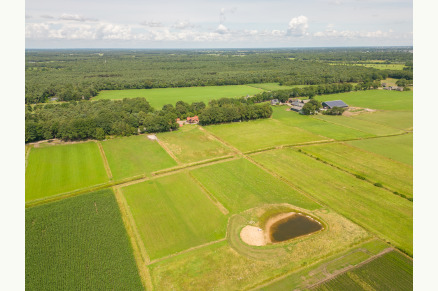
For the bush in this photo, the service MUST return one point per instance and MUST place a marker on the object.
(378, 184)
(359, 176)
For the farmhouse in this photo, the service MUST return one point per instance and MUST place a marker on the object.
(193, 120)
(275, 101)
(297, 105)
(335, 103)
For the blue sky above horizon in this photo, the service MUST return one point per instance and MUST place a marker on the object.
(217, 24)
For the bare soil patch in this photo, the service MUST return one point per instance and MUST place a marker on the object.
(353, 111)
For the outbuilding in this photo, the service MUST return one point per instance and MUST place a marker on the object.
(335, 103)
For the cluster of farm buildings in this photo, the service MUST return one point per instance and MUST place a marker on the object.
(298, 104)
(189, 120)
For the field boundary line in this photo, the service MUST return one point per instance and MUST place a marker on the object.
(143, 270)
(28, 149)
(234, 149)
(344, 125)
(210, 196)
(349, 268)
(186, 251)
(105, 161)
(168, 151)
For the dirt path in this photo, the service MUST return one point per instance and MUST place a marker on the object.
(28, 148)
(349, 268)
(141, 258)
(105, 161)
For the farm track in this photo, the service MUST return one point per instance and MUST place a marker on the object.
(168, 151)
(349, 268)
(142, 178)
(210, 196)
(28, 149)
(140, 255)
(105, 161)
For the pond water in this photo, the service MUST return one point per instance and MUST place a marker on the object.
(293, 226)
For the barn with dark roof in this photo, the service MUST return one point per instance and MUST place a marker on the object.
(336, 103)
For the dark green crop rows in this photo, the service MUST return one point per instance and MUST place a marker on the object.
(79, 243)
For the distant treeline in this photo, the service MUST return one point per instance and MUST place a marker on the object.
(95, 120)
(81, 74)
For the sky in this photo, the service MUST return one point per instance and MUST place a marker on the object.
(217, 24)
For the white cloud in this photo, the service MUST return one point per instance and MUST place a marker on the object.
(152, 24)
(221, 29)
(75, 17)
(298, 26)
(182, 24)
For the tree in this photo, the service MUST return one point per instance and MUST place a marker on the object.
(311, 107)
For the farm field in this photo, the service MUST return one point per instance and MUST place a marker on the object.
(79, 243)
(190, 144)
(392, 271)
(274, 86)
(317, 126)
(58, 169)
(398, 67)
(173, 213)
(262, 133)
(240, 185)
(162, 96)
(398, 148)
(396, 119)
(233, 265)
(135, 155)
(393, 175)
(378, 210)
(374, 99)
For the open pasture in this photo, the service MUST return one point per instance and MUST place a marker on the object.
(62, 168)
(240, 185)
(392, 271)
(378, 210)
(316, 126)
(190, 144)
(135, 155)
(262, 133)
(79, 243)
(173, 213)
(392, 174)
(232, 265)
(396, 119)
(398, 148)
(275, 86)
(162, 96)
(395, 67)
(374, 99)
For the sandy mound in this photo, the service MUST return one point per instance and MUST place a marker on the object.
(253, 236)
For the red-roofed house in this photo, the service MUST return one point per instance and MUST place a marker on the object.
(193, 120)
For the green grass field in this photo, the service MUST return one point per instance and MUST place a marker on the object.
(374, 99)
(240, 185)
(398, 148)
(135, 155)
(392, 271)
(397, 67)
(262, 133)
(189, 144)
(79, 243)
(58, 169)
(380, 211)
(173, 213)
(393, 175)
(275, 86)
(316, 126)
(395, 119)
(162, 96)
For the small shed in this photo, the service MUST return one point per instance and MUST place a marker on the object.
(275, 101)
(335, 103)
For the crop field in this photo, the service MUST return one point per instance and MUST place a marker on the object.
(79, 243)
(393, 175)
(135, 155)
(398, 148)
(58, 169)
(374, 99)
(317, 126)
(374, 208)
(173, 213)
(240, 185)
(162, 96)
(190, 144)
(392, 271)
(262, 133)
(232, 265)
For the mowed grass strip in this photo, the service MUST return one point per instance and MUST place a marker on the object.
(240, 185)
(392, 271)
(392, 174)
(378, 210)
(173, 214)
(398, 148)
(375, 99)
(189, 144)
(58, 169)
(162, 96)
(262, 133)
(79, 243)
(396, 119)
(135, 155)
(317, 126)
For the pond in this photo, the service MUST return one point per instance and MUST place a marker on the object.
(293, 226)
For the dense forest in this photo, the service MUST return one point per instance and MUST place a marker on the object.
(80, 74)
